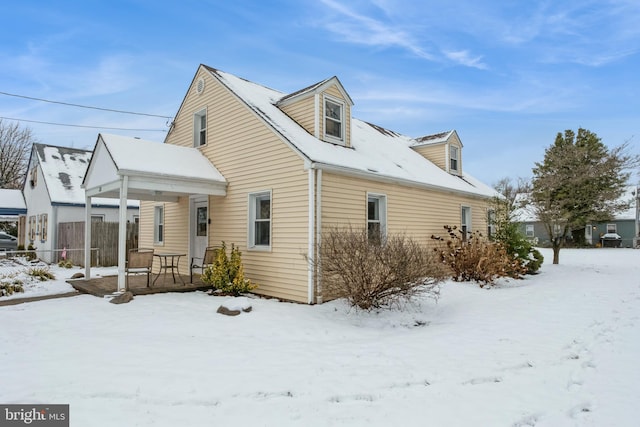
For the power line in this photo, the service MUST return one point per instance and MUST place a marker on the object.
(83, 126)
(84, 106)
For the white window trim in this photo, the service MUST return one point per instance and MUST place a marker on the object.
(457, 158)
(614, 226)
(251, 211)
(527, 228)
(331, 138)
(383, 213)
(197, 129)
(468, 221)
(157, 224)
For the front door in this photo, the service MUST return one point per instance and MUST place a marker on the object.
(200, 221)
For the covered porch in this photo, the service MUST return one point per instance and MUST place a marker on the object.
(131, 168)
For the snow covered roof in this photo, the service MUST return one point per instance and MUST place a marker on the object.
(437, 138)
(154, 171)
(12, 199)
(143, 157)
(375, 152)
(527, 213)
(11, 204)
(63, 169)
(630, 195)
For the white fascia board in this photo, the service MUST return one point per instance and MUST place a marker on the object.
(214, 188)
(103, 188)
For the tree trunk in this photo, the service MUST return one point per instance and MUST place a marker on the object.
(556, 250)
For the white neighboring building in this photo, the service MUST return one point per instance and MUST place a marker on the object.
(53, 194)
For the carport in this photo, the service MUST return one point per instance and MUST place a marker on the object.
(132, 168)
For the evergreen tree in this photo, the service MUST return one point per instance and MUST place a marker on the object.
(580, 180)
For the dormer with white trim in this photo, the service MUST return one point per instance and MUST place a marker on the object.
(443, 149)
(323, 110)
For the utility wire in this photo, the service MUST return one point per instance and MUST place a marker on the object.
(84, 106)
(83, 126)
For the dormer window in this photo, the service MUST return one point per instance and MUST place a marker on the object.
(454, 154)
(333, 120)
(200, 128)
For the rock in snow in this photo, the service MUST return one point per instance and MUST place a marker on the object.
(235, 306)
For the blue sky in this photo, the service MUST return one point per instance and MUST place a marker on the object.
(507, 75)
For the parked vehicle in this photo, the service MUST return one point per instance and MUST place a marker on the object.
(8, 242)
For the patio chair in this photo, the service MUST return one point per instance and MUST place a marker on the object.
(210, 254)
(140, 261)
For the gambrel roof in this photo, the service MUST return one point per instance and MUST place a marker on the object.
(375, 152)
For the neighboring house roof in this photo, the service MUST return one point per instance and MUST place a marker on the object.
(527, 213)
(374, 153)
(11, 204)
(630, 195)
(63, 169)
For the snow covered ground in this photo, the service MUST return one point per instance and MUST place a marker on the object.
(558, 349)
(18, 269)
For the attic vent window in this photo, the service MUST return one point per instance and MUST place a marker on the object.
(200, 86)
(333, 120)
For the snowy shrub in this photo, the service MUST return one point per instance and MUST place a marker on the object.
(43, 274)
(10, 287)
(31, 255)
(474, 258)
(518, 246)
(227, 273)
(376, 275)
(65, 263)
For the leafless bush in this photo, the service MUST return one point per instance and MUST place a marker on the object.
(475, 258)
(375, 275)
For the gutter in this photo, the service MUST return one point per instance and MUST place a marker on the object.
(391, 180)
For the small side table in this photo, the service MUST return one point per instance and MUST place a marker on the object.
(169, 261)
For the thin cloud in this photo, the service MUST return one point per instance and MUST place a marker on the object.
(358, 28)
(463, 57)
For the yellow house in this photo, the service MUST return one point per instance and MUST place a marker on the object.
(293, 165)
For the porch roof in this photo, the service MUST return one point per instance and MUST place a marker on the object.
(154, 171)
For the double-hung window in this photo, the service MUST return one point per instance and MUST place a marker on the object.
(260, 220)
(612, 228)
(200, 128)
(376, 217)
(465, 221)
(333, 120)
(454, 154)
(529, 230)
(158, 225)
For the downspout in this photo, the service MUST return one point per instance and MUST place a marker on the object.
(312, 244)
(318, 235)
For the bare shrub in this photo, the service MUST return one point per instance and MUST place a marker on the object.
(377, 274)
(474, 258)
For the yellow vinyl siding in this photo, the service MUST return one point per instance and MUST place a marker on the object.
(415, 211)
(252, 158)
(176, 230)
(303, 112)
(436, 153)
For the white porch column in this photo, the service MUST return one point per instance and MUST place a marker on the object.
(122, 233)
(87, 237)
